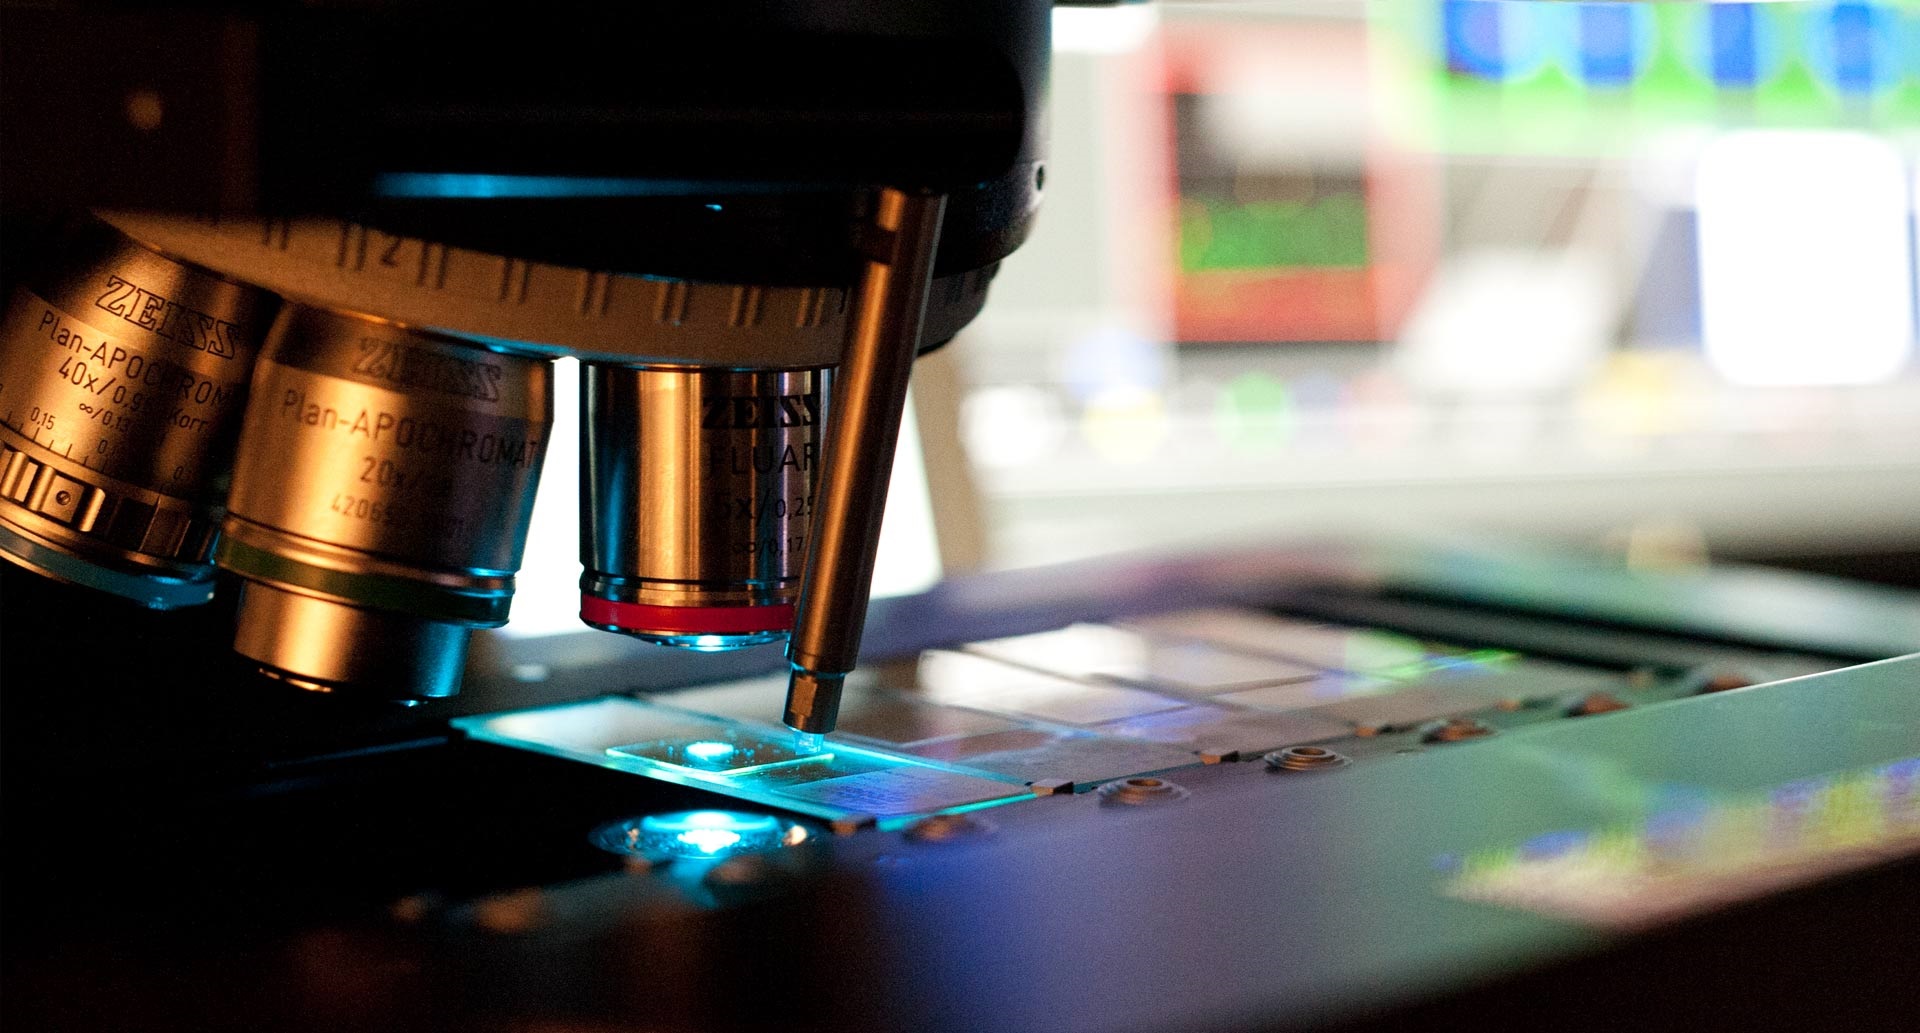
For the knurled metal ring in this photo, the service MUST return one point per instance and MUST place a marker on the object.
(134, 521)
(538, 307)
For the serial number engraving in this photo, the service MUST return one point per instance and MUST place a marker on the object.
(362, 508)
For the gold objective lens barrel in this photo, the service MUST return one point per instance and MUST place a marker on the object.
(696, 498)
(123, 375)
(380, 501)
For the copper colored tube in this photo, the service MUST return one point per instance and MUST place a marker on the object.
(870, 397)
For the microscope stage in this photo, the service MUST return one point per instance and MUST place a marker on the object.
(999, 721)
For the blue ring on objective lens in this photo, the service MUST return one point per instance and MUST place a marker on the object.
(153, 590)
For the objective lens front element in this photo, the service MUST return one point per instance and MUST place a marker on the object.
(123, 375)
(696, 498)
(380, 501)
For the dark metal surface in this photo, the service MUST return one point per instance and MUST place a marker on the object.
(406, 881)
(1750, 603)
(1257, 901)
(782, 114)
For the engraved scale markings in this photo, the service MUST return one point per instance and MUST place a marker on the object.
(433, 266)
(552, 308)
(99, 513)
(352, 254)
(596, 293)
(812, 301)
(746, 306)
(672, 307)
(514, 274)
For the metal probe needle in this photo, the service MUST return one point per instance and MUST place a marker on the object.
(863, 426)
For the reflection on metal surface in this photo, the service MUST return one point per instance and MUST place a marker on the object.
(122, 379)
(1459, 729)
(1096, 650)
(380, 501)
(966, 680)
(1687, 859)
(1142, 792)
(1365, 651)
(1305, 758)
(1222, 732)
(698, 490)
(1038, 755)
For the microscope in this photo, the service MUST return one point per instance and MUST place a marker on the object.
(295, 320)
(284, 290)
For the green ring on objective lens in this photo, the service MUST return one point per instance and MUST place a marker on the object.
(485, 608)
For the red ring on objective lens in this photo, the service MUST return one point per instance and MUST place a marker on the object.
(686, 620)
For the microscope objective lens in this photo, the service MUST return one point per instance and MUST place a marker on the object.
(380, 501)
(697, 496)
(122, 378)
